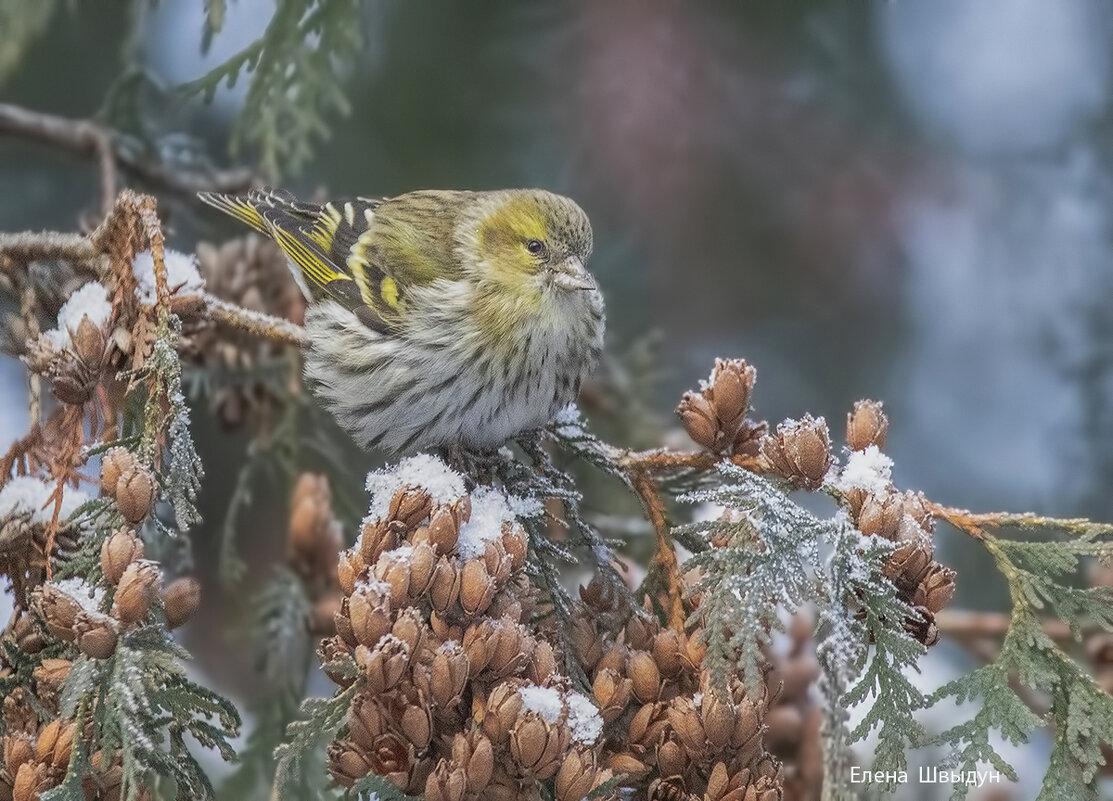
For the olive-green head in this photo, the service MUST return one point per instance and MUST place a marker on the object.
(532, 240)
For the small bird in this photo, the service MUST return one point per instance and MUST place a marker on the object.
(449, 319)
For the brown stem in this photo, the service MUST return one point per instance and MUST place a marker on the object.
(89, 139)
(260, 325)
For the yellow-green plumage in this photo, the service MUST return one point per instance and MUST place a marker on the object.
(439, 317)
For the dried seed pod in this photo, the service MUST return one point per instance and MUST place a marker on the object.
(585, 639)
(718, 716)
(423, 559)
(728, 390)
(672, 758)
(416, 725)
(614, 659)
(699, 419)
(135, 493)
(136, 591)
(645, 676)
(936, 589)
(515, 543)
(666, 652)
(411, 628)
(880, 515)
(685, 721)
(647, 725)
(50, 674)
(96, 634)
(347, 762)
(800, 451)
(384, 664)
(377, 537)
(444, 590)
(180, 599)
(510, 649)
(118, 551)
(115, 462)
(410, 506)
(444, 530)
(348, 569)
(475, 754)
(48, 736)
(446, 783)
(627, 764)
(310, 516)
(543, 666)
(29, 780)
(393, 568)
(57, 609)
(576, 776)
(612, 693)
(477, 588)
(537, 746)
(503, 705)
(18, 748)
(866, 425)
(366, 721)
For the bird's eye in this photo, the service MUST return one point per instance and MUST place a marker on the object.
(535, 246)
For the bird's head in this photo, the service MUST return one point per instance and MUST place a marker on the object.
(533, 242)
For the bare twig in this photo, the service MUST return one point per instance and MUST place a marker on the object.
(90, 139)
(257, 324)
(964, 625)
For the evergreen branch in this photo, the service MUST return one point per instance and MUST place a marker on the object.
(321, 718)
(90, 139)
(294, 85)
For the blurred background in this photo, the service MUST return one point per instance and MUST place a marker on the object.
(909, 201)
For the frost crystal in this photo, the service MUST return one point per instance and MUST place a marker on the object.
(489, 510)
(30, 494)
(583, 719)
(423, 471)
(91, 301)
(87, 596)
(545, 701)
(569, 421)
(182, 276)
(870, 470)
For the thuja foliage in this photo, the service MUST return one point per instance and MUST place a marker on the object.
(292, 68)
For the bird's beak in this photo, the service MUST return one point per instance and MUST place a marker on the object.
(572, 275)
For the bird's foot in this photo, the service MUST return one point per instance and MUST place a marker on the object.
(477, 466)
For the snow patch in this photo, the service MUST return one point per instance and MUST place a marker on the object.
(30, 495)
(182, 277)
(90, 300)
(424, 471)
(869, 469)
(583, 719)
(489, 510)
(545, 701)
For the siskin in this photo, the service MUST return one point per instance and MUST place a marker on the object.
(439, 318)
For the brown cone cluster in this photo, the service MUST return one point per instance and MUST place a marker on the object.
(716, 416)
(23, 545)
(794, 721)
(314, 540)
(126, 479)
(37, 743)
(75, 370)
(138, 584)
(251, 272)
(670, 729)
(905, 519)
(461, 694)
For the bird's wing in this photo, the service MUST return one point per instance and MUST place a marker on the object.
(331, 246)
